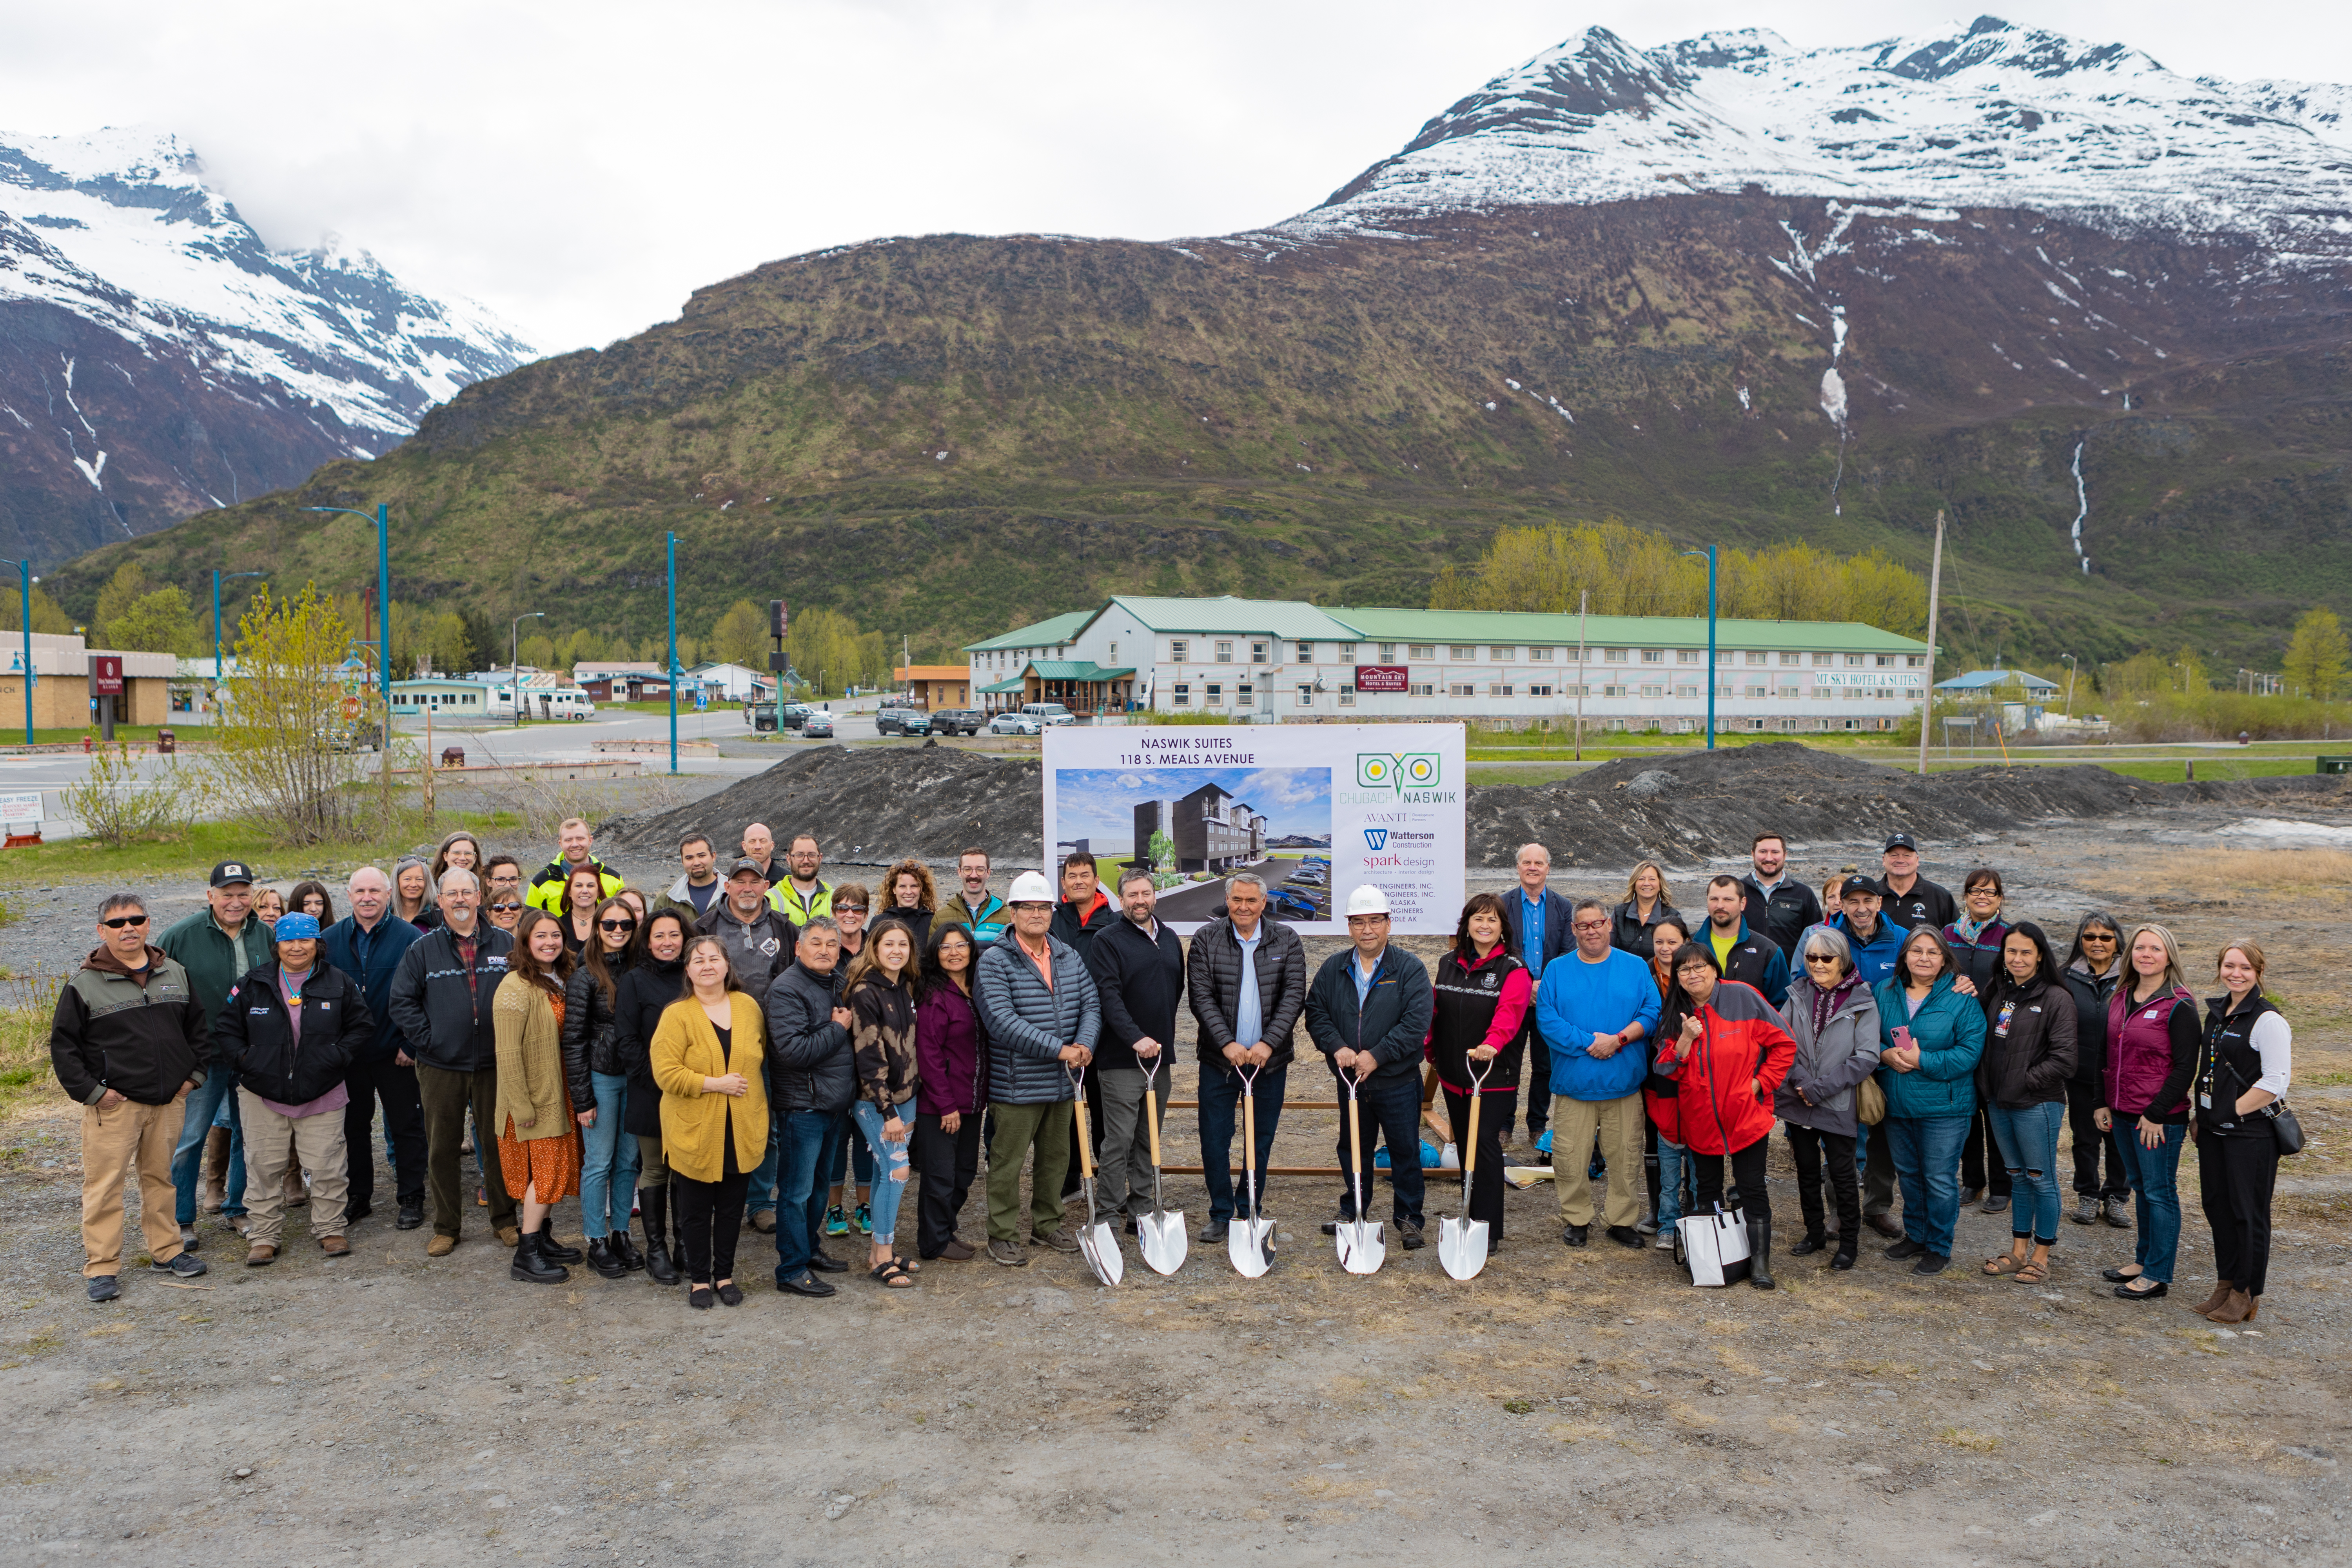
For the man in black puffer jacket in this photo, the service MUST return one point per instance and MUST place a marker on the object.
(291, 1030)
(1243, 1025)
(812, 1083)
(440, 1002)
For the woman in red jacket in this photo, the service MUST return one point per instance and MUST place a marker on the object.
(1729, 1057)
(1481, 994)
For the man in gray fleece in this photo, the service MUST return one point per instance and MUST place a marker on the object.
(1041, 1010)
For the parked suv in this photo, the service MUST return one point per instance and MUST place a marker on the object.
(902, 721)
(1049, 713)
(794, 714)
(958, 722)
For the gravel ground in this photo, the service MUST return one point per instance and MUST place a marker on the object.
(389, 1409)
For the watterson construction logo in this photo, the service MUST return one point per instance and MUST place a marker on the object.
(1409, 775)
(1376, 837)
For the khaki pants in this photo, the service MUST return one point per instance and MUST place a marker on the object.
(128, 1138)
(276, 1144)
(1618, 1123)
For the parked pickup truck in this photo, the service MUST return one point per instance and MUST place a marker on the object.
(902, 721)
(958, 722)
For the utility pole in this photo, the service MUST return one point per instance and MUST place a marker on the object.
(1582, 598)
(671, 546)
(1709, 553)
(1927, 696)
(216, 617)
(2072, 669)
(25, 581)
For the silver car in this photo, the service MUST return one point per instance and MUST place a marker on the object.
(1015, 724)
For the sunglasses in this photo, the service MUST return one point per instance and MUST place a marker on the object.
(1820, 958)
(2099, 936)
(119, 921)
(849, 909)
(504, 909)
(617, 925)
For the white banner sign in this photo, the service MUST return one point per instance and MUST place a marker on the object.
(1317, 810)
(21, 810)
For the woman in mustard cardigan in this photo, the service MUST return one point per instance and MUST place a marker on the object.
(707, 1057)
(538, 1138)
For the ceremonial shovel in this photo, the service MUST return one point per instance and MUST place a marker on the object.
(1249, 1241)
(1160, 1233)
(1096, 1241)
(1462, 1241)
(1362, 1244)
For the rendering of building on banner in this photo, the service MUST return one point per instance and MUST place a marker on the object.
(1273, 660)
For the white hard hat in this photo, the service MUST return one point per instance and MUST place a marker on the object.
(1367, 901)
(1030, 888)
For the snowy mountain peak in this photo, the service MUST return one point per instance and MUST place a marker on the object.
(1987, 114)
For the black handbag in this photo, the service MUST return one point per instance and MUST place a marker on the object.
(2285, 1131)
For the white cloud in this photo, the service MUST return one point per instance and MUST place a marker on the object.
(582, 168)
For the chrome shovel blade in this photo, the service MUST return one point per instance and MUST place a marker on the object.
(1160, 1238)
(1250, 1244)
(1363, 1245)
(1099, 1246)
(1461, 1246)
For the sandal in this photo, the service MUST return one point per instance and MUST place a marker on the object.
(890, 1275)
(2033, 1274)
(2007, 1263)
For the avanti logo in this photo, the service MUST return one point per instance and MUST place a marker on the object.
(1376, 837)
(1397, 770)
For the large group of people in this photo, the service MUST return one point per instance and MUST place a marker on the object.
(755, 1042)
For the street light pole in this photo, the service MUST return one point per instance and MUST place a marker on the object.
(514, 661)
(217, 616)
(383, 520)
(1709, 553)
(2071, 672)
(24, 579)
(672, 548)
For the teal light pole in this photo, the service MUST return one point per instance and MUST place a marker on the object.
(217, 616)
(1709, 553)
(673, 654)
(383, 521)
(25, 608)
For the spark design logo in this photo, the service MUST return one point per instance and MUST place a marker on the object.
(1397, 770)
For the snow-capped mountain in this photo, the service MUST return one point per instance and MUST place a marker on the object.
(1991, 115)
(157, 357)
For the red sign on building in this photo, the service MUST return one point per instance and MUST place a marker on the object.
(106, 675)
(1381, 677)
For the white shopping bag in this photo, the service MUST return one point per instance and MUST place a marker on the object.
(1713, 1246)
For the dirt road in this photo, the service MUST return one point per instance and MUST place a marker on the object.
(1579, 1406)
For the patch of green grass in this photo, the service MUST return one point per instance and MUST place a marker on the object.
(200, 846)
(26, 1006)
(2211, 769)
(135, 734)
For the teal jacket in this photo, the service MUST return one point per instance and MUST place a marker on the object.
(1950, 1031)
(204, 950)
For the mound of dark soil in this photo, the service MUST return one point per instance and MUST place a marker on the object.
(1713, 802)
(868, 806)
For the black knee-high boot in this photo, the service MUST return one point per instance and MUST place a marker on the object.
(653, 1207)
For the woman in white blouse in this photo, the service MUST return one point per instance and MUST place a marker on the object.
(2243, 1069)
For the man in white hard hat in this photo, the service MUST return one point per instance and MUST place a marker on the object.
(1368, 1012)
(1043, 1014)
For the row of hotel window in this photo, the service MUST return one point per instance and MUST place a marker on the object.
(1213, 693)
(1180, 651)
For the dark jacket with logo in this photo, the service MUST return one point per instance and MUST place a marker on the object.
(1628, 932)
(1078, 925)
(2030, 1044)
(2092, 993)
(371, 958)
(1783, 913)
(2229, 1065)
(1755, 961)
(1393, 1022)
(143, 1040)
(638, 1002)
(1477, 1002)
(812, 1060)
(758, 950)
(443, 1020)
(255, 1037)
(589, 1045)
(1927, 904)
(1140, 974)
(2151, 1055)
(1214, 990)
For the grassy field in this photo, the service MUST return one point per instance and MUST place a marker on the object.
(202, 845)
(133, 734)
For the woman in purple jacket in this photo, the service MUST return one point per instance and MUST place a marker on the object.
(2153, 1034)
(949, 1047)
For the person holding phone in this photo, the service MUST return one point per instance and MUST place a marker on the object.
(1728, 1060)
(2244, 1069)
(1931, 1038)
(2152, 1043)
(1662, 1154)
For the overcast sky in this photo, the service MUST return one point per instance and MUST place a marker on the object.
(583, 166)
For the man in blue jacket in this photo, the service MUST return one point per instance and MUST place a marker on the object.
(1875, 943)
(1368, 1012)
(368, 945)
(1043, 1014)
(1595, 1006)
(1535, 928)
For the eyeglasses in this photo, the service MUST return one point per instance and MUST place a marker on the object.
(849, 909)
(617, 925)
(1592, 925)
(119, 921)
(1820, 958)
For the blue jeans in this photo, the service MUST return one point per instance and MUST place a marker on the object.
(804, 1139)
(2154, 1175)
(1221, 1111)
(2029, 1147)
(1927, 1151)
(762, 1198)
(851, 1147)
(608, 1163)
(1673, 1161)
(206, 1102)
(890, 1180)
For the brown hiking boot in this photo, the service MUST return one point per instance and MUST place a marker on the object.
(2238, 1308)
(958, 1250)
(213, 1191)
(441, 1246)
(260, 1255)
(334, 1247)
(2215, 1302)
(508, 1235)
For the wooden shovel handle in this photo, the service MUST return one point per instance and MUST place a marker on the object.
(1152, 1117)
(1086, 1150)
(1470, 1150)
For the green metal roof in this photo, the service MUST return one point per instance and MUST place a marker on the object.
(1002, 688)
(1074, 669)
(1516, 627)
(1288, 618)
(1044, 634)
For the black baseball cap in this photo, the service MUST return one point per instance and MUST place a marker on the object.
(229, 873)
(1898, 841)
(745, 863)
(1853, 885)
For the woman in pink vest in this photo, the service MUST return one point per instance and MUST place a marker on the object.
(2153, 1034)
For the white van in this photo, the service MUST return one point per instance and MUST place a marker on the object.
(1049, 713)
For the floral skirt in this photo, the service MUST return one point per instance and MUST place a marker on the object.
(553, 1165)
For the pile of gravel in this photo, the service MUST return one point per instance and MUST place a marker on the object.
(867, 807)
(1712, 804)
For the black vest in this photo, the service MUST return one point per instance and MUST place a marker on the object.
(1463, 1010)
(2228, 1066)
